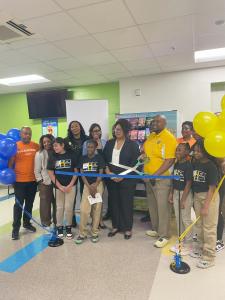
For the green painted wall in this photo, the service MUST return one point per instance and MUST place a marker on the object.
(14, 112)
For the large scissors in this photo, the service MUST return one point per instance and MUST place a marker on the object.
(139, 163)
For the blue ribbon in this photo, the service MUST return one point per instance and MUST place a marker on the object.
(116, 175)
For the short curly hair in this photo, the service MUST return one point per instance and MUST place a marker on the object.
(125, 125)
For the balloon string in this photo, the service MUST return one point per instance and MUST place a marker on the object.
(182, 236)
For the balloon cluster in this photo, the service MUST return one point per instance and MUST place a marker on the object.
(212, 128)
(7, 150)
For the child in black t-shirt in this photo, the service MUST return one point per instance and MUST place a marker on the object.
(181, 190)
(93, 188)
(205, 177)
(63, 160)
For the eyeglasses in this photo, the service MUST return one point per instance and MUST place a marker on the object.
(96, 130)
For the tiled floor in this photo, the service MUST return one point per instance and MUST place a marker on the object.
(113, 269)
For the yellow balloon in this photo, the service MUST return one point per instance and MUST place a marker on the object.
(221, 121)
(205, 122)
(215, 143)
(223, 103)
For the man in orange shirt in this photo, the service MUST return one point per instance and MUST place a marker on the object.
(187, 132)
(25, 186)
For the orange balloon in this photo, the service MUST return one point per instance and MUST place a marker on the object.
(205, 122)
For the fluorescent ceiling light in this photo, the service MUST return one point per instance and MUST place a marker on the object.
(209, 55)
(22, 80)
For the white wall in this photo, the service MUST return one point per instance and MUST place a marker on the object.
(188, 92)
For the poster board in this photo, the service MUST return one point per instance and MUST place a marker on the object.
(50, 126)
(88, 112)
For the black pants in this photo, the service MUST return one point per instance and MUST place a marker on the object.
(24, 191)
(122, 195)
(220, 225)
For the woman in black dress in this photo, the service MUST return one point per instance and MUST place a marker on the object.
(121, 150)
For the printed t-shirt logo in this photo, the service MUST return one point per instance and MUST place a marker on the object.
(90, 167)
(199, 176)
(63, 164)
(179, 173)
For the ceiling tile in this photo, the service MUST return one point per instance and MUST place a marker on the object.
(103, 16)
(65, 63)
(168, 30)
(79, 46)
(30, 41)
(149, 71)
(100, 58)
(13, 57)
(56, 27)
(172, 47)
(121, 38)
(110, 68)
(44, 52)
(117, 76)
(208, 7)
(205, 24)
(27, 9)
(175, 60)
(209, 41)
(67, 4)
(145, 11)
(83, 72)
(141, 64)
(133, 53)
(57, 76)
(25, 69)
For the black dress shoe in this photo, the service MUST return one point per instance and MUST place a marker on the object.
(127, 236)
(29, 227)
(15, 235)
(112, 233)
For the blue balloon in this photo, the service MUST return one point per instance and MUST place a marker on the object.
(2, 136)
(8, 148)
(3, 163)
(7, 176)
(14, 134)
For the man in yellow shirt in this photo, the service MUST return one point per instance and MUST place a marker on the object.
(160, 149)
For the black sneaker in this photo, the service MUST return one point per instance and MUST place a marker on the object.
(15, 235)
(69, 234)
(29, 227)
(60, 232)
(219, 245)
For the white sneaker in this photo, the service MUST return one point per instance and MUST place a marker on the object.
(161, 242)
(151, 233)
(204, 264)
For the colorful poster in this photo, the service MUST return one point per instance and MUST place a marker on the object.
(50, 126)
(142, 122)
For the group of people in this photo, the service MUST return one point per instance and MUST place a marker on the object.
(44, 165)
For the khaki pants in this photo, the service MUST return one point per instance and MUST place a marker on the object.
(86, 209)
(185, 214)
(206, 227)
(64, 205)
(159, 208)
(46, 201)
